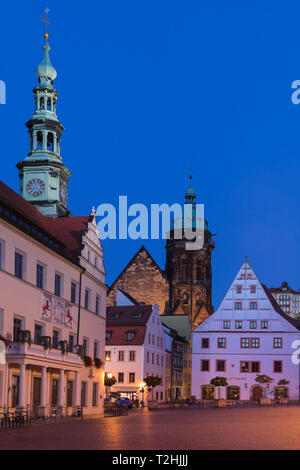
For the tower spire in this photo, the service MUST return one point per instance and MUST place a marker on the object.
(190, 194)
(43, 175)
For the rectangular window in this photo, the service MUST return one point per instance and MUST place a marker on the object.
(1, 255)
(107, 356)
(57, 285)
(71, 343)
(255, 367)
(85, 348)
(38, 333)
(132, 355)
(264, 325)
(95, 394)
(205, 365)
(221, 342)
(238, 324)
(121, 377)
(244, 342)
(98, 305)
(243, 276)
(147, 357)
(277, 366)
(238, 305)
(220, 366)
(131, 377)
(96, 350)
(205, 343)
(249, 276)
(83, 399)
(121, 355)
(55, 339)
(226, 325)
(17, 328)
(87, 299)
(238, 289)
(73, 292)
(277, 343)
(244, 366)
(252, 289)
(39, 276)
(19, 265)
(255, 343)
(253, 305)
(253, 324)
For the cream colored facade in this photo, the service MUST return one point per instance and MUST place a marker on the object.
(40, 378)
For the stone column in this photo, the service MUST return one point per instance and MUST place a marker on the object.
(42, 406)
(61, 391)
(29, 379)
(22, 387)
(77, 393)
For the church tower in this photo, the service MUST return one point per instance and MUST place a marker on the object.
(43, 175)
(189, 272)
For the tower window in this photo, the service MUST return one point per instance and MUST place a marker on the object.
(50, 142)
(39, 140)
(198, 270)
(42, 103)
(49, 104)
(185, 298)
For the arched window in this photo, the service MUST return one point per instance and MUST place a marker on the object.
(183, 268)
(198, 270)
(185, 298)
(42, 103)
(39, 140)
(49, 104)
(50, 141)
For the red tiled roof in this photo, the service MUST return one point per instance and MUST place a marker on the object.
(118, 335)
(68, 231)
(131, 315)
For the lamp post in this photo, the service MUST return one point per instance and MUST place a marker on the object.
(142, 391)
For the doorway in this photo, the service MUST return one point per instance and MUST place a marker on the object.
(36, 396)
(257, 392)
(233, 392)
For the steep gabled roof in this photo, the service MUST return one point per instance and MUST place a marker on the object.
(67, 231)
(133, 259)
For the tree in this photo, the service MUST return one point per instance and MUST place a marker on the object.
(264, 380)
(152, 381)
(109, 381)
(219, 382)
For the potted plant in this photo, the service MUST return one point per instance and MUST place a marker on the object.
(282, 391)
(152, 381)
(98, 363)
(46, 342)
(219, 382)
(265, 380)
(88, 362)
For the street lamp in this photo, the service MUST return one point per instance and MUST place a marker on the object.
(142, 390)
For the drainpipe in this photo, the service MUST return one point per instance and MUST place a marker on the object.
(79, 305)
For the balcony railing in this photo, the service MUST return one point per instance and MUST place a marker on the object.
(35, 350)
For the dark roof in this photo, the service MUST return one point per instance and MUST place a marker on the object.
(118, 335)
(275, 305)
(132, 315)
(67, 231)
(283, 288)
(132, 261)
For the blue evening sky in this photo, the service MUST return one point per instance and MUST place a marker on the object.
(150, 89)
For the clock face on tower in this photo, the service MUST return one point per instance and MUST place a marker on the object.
(35, 187)
(63, 193)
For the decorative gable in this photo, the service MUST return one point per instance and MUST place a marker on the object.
(91, 257)
(247, 300)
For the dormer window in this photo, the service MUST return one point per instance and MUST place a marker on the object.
(137, 315)
(108, 335)
(113, 316)
(129, 335)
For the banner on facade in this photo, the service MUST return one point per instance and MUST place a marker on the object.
(56, 311)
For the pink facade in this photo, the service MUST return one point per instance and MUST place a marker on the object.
(248, 335)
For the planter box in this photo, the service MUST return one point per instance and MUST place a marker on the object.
(265, 401)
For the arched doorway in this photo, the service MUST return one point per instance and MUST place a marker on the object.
(208, 392)
(257, 392)
(233, 392)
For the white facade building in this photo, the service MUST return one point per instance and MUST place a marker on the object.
(135, 349)
(52, 298)
(248, 335)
